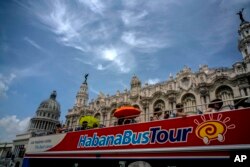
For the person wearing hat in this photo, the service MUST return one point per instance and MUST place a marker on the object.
(214, 106)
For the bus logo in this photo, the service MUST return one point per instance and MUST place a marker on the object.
(212, 129)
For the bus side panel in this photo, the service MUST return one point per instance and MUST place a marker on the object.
(26, 162)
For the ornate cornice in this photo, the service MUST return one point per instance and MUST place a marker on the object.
(158, 94)
(134, 97)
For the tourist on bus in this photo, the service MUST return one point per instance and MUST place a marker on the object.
(58, 128)
(166, 114)
(84, 125)
(64, 129)
(179, 110)
(120, 121)
(214, 106)
(95, 125)
(151, 118)
(127, 121)
(158, 115)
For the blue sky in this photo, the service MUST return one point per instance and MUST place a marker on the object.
(49, 45)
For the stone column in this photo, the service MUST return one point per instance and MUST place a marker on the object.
(146, 113)
(38, 124)
(203, 101)
(248, 91)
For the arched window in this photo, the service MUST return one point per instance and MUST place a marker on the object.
(189, 103)
(159, 107)
(225, 93)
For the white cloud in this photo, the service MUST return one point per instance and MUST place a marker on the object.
(31, 71)
(33, 43)
(100, 67)
(130, 18)
(142, 42)
(129, 38)
(120, 58)
(94, 32)
(95, 6)
(10, 126)
(153, 81)
(83, 61)
(66, 22)
(4, 83)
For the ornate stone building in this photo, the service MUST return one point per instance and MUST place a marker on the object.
(188, 87)
(47, 115)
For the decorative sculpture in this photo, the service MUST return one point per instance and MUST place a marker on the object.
(241, 15)
(86, 77)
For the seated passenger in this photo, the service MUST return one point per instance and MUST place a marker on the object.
(134, 121)
(179, 110)
(158, 115)
(78, 128)
(214, 106)
(58, 128)
(127, 121)
(95, 125)
(166, 114)
(120, 121)
(64, 129)
(102, 125)
(70, 129)
(84, 125)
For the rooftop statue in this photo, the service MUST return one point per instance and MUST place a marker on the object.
(241, 15)
(86, 77)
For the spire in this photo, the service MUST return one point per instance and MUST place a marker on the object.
(82, 95)
(53, 95)
(244, 39)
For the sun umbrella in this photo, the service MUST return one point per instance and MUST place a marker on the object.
(90, 119)
(127, 111)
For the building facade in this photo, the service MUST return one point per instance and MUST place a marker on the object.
(190, 88)
(44, 122)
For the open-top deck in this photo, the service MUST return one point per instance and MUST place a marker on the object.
(204, 136)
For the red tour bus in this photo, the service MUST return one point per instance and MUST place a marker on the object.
(202, 139)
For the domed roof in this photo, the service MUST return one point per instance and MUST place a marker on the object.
(135, 81)
(50, 104)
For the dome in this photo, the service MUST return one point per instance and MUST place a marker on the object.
(50, 104)
(135, 81)
(47, 116)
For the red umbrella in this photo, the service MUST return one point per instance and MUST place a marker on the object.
(126, 111)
